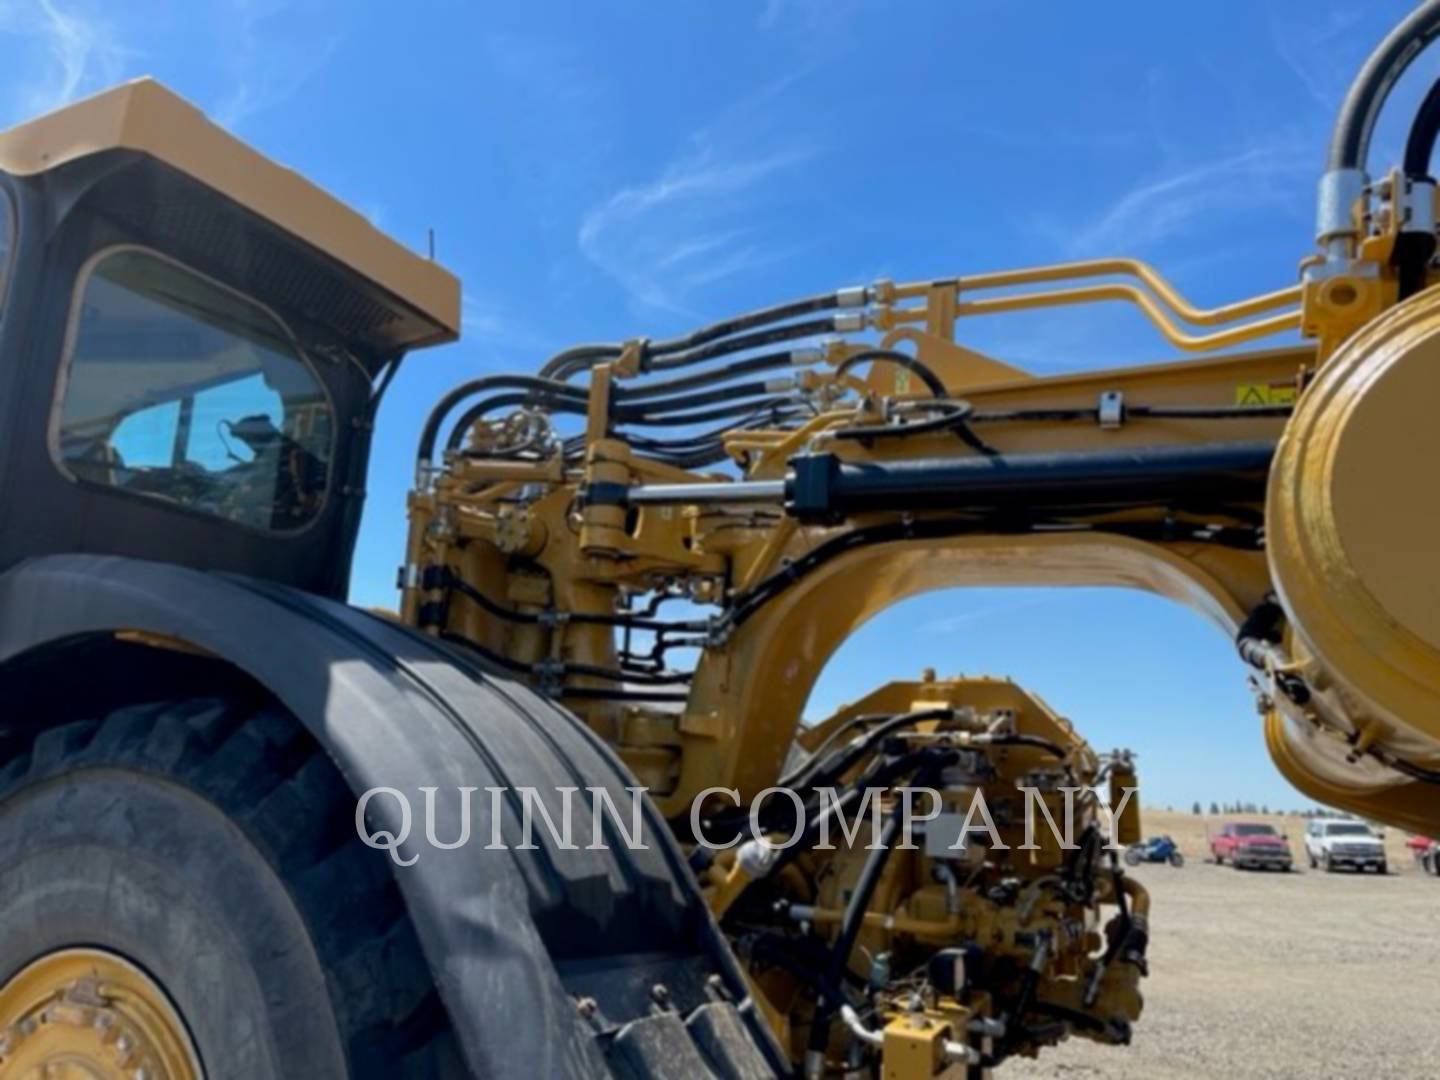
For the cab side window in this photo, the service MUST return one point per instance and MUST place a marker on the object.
(180, 390)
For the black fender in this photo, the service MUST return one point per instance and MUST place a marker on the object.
(513, 937)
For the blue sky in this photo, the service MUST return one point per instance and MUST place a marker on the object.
(600, 170)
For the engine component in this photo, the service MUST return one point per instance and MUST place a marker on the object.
(671, 538)
(948, 892)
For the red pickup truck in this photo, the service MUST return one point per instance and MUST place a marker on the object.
(1427, 853)
(1250, 844)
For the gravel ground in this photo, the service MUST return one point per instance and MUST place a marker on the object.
(1262, 974)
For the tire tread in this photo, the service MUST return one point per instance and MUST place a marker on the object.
(259, 767)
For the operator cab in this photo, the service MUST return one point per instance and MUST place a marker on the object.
(190, 342)
(183, 391)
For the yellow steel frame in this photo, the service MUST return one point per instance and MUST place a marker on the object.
(749, 689)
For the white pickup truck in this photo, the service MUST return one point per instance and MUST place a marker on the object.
(1333, 844)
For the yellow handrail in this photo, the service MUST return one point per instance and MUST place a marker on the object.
(1289, 320)
(1145, 273)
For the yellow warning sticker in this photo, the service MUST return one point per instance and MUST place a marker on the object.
(1265, 394)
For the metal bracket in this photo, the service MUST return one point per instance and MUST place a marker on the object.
(1111, 410)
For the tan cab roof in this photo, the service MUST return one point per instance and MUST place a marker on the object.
(145, 116)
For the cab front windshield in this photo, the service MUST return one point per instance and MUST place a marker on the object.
(1347, 830)
(1254, 830)
(181, 390)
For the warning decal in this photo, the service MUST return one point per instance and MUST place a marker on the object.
(1265, 394)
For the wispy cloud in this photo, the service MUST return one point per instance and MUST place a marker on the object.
(79, 52)
(488, 321)
(948, 624)
(1304, 43)
(665, 238)
(701, 219)
(263, 56)
(267, 58)
(770, 13)
(1092, 140)
(1164, 206)
(823, 22)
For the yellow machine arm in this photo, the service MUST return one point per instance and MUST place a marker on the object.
(833, 497)
(778, 478)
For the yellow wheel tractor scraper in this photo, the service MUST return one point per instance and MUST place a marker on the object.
(248, 830)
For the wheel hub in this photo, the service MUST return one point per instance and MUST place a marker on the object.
(86, 1014)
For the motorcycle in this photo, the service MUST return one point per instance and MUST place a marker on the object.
(1158, 849)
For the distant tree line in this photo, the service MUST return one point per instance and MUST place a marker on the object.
(1239, 807)
(1236, 808)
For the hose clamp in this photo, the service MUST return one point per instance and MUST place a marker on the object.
(1335, 228)
(1416, 206)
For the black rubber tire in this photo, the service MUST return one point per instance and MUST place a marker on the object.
(213, 844)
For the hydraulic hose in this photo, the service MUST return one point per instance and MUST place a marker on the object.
(576, 359)
(587, 693)
(1258, 642)
(753, 340)
(691, 347)
(1420, 146)
(860, 897)
(1415, 244)
(749, 366)
(845, 758)
(521, 667)
(791, 309)
(705, 416)
(1350, 142)
(1014, 1026)
(882, 775)
(542, 387)
(746, 419)
(830, 762)
(1260, 633)
(955, 419)
(1036, 742)
(829, 743)
(1137, 939)
(850, 926)
(824, 772)
(643, 678)
(1344, 181)
(471, 416)
(638, 405)
(1415, 772)
(626, 413)
(449, 580)
(955, 413)
(905, 360)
